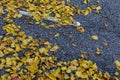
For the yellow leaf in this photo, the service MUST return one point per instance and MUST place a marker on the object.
(74, 45)
(2, 61)
(21, 33)
(1, 54)
(54, 48)
(52, 77)
(66, 76)
(117, 73)
(10, 49)
(85, 64)
(81, 75)
(98, 9)
(98, 51)
(94, 37)
(68, 70)
(33, 68)
(37, 18)
(13, 45)
(2, 45)
(1, 37)
(8, 62)
(116, 78)
(98, 1)
(80, 29)
(71, 68)
(117, 63)
(1, 66)
(1, 10)
(107, 76)
(57, 15)
(29, 77)
(47, 1)
(74, 62)
(31, 7)
(87, 11)
(23, 45)
(86, 1)
(24, 59)
(93, 7)
(17, 47)
(64, 68)
(94, 67)
(68, 1)
(19, 15)
(43, 50)
(4, 76)
(57, 35)
(105, 26)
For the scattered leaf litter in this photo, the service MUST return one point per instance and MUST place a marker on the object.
(36, 63)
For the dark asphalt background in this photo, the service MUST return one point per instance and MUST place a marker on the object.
(94, 25)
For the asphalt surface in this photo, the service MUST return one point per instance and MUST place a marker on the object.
(94, 25)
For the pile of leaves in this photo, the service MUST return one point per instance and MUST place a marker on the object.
(24, 58)
(43, 9)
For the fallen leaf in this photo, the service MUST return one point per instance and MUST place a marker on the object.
(94, 37)
(2, 45)
(54, 48)
(117, 63)
(98, 51)
(8, 62)
(56, 35)
(80, 29)
(86, 1)
(43, 50)
(1, 54)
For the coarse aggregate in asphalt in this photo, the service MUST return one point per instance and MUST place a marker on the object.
(93, 24)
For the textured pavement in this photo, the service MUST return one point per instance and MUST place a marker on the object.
(94, 25)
